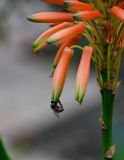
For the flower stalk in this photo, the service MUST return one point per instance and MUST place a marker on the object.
(106, 122)
(101, 22)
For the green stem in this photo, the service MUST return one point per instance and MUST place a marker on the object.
(106, 119)
(107, 114)
(3, 154)
(108, 62)
(77, 47)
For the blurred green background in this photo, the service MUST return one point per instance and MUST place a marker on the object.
(27, 124)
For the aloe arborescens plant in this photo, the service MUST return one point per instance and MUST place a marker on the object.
(101, 22)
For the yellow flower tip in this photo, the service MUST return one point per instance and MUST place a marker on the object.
(34, 18)
(83, 73)
(55, 97)
(79, 97)
(50, 41)
(36, 52)
(35, 44)
(77, 16)
(87, 15)
(35, 47)
(29, 18)
(54, 65)
(80, 100)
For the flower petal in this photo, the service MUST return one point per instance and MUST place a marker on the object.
(51, 17)
(60, 74)
(83, 73)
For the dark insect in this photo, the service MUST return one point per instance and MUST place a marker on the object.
(57, 107)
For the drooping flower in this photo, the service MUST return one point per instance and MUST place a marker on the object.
(51, 17)
(60, 74)
(64, 33)
(68, 43)
(83, 73)
(40, 42)
(67, 28)
(67, 33)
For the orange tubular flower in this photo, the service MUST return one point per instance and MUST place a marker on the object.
(83, 73)
(118, 12)
(67, 33)
(51, 17)
(68, 43)
(41, 40)
(60, 74)
(87, 15)
(74, 6)
(57, 2)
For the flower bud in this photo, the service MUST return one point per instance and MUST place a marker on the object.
(66, 33)
(60, 74)
(83, 73)
(51, 17)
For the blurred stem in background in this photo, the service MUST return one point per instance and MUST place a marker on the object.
(3, 152)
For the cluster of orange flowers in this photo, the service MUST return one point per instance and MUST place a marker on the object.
(67, 29)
